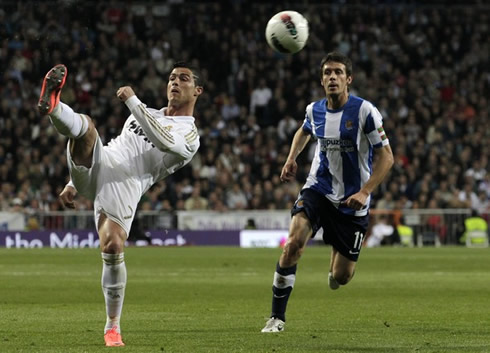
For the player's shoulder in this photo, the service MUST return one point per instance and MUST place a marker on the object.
(155, 112)
(365, 106)
(183, 125)
(319, 104)
(353, 99)
(358, 101)
(316, 107)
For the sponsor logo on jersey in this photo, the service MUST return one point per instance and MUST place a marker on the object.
(138, 130)
(334, 145)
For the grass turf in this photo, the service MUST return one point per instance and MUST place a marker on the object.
(203, 299)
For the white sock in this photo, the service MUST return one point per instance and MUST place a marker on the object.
(114, 279)
(67, 122)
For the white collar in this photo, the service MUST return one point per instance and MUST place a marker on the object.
(180, 118)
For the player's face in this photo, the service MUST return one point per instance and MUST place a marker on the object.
(334, 78)
(181, 86)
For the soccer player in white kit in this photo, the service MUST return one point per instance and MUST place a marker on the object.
(152, 145)
(337, 191)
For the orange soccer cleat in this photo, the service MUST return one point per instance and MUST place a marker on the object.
(113, 338)
(51, 90)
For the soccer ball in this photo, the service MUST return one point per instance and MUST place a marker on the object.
(287, 32)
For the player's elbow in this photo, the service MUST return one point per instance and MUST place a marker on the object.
(390, 160)
(387, 156)
(183, 153)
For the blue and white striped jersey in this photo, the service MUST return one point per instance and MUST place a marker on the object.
(344, 151)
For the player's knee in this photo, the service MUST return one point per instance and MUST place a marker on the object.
(90, 122)
(342, 280)
(343, 277)
(90, 133)
(112, 245)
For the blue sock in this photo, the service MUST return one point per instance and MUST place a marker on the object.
(281, 288)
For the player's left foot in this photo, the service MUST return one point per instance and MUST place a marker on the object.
(113, 338)
(274, 325)
(332, 282)
(51, 90)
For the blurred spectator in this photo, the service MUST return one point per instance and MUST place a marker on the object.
(227, 158)
(474, 223)
(216, 202)
(468, 197)
(250, 129)
(17, 205)
(386, 203)
(286, 128)
(476, 171)
(406, 234)
(482, 204)
(259, 103)
(236, 198)
(382, 233)
(435, 222)
(445, 193)
(485, 185)
(230, 109)
(196, 201)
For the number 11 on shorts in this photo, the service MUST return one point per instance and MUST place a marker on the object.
(358, 241)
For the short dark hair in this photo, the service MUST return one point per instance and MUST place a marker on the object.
(338, 58)
(196, 73)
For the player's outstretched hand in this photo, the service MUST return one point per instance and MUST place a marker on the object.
(123, 93)
(67, 197)
(288, 172)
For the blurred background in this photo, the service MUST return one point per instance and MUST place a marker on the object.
(424, 64)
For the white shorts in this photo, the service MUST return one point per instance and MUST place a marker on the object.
(113, 191)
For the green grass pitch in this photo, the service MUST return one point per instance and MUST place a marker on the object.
(217, 299)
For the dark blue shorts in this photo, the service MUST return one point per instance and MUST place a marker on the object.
(344, 232)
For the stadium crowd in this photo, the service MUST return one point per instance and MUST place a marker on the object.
(425, 67)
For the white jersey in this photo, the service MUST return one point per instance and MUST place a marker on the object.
(138, 157)
(130, 164)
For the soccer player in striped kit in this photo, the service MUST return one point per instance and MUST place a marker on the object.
(152, 145)
(337, 192)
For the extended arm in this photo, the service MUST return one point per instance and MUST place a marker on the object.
(163, 139)
(300, 140)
